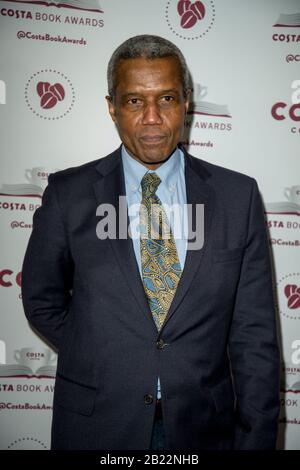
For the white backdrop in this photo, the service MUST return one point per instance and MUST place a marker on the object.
(244, 59)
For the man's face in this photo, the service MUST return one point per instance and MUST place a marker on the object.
(149, 108)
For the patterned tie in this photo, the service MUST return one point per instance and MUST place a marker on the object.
(161, 268)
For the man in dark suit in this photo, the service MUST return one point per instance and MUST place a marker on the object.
(161, 344)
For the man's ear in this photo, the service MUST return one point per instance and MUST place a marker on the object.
(111, 107)
(187, 100)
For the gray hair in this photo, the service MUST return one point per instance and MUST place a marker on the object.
(149, 47)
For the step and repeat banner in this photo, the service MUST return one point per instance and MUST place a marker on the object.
(244, 59)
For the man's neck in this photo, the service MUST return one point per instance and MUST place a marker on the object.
(150, 166)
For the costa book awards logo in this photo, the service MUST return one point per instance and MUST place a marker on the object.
(204, 115)
(289, 110)
(291, 204)
(283, 218)
(290, 378)
(37, 180)
(70, 12)
(49, 94)
(86, 5)
(38, 362)
(287, 28)
(190, 20)
(199, 106)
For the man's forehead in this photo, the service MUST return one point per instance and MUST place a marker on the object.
(143, 90)
(147, 75)
(154, 66)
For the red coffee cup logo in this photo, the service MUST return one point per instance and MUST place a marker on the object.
(289, 295)
(190, 12)
(42, 88)
(190, 20)
(198, 9)
(183, 6)
(292, 292)
(49, 94)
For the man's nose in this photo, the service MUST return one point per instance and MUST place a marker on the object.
(152, 114)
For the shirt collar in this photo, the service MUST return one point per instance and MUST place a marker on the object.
(134, 170)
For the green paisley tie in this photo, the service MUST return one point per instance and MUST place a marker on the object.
(161, 268)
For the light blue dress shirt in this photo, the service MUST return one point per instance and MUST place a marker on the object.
(172, 193)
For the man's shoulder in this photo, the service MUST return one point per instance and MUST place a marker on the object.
(214, 174)
(84, 172)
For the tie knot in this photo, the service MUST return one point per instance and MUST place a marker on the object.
(150, 183)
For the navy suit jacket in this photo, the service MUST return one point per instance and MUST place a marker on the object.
(217, 353)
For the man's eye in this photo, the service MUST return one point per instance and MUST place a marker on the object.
(168, 98)
(134, 101)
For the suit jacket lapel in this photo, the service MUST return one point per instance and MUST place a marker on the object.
(111, 185)
(198, 192)
(107, 189)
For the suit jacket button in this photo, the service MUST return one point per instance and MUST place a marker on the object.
(160, 344)
(148, 399)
